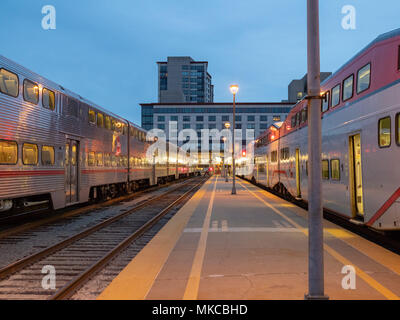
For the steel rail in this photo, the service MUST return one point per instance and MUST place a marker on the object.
(70, 288)
(22, 263)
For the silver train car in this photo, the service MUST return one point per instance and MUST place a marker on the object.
(59, 148)
(360, 141)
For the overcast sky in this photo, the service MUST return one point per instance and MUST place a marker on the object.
(106, 51)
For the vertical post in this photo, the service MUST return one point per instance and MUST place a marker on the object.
(315, 227)
(233, 146)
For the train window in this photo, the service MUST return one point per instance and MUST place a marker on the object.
(335, 169)
(92, 116)
(336, 95)
(325, 169)
(99, 159)
(29, 154)
(398, 129)
(348, 88)
(100, 120)
(113, 160)
(8, 152)
(9, 83)
(113, 124)
(48, 99)
(91, 159)
(31, 91)
(293, 121)
(364, 78)
(274, 156)
(284, 153)
(107, 122)
(107, 159)
(48, 158)
(304, 115)
(385, 132)
(325, 102)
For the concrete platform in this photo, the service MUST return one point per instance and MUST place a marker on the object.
(249, 246)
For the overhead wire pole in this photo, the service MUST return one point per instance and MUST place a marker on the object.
(315, 218)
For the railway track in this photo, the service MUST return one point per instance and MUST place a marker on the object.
(387, 240)
(79, 257)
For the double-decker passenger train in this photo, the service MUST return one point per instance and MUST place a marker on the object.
(360, 140)
(57, 147)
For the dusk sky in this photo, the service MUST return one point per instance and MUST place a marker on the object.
(106, 51)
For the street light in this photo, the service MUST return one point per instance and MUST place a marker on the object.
(224, 139)
(234, 89)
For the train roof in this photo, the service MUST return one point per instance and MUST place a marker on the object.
(383, 37)
(17, 68)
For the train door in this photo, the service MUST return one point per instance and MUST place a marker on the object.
(71, 171)
(356, 184)
(298, 173)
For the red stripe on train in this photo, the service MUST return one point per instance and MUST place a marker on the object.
(4, 174)
(384, 208)
(103, 171)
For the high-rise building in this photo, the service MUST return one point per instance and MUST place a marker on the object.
(183, 80)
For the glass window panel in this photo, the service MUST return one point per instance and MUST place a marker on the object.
(91, 159)
(108, 123)
(325, 104)
(107, 160)
(385, 131)
(335, 169)
(30, 154)
(325, 169)
(398, 128)
(92, 116)
(99, 159)
(8, 152)
(48, 157)
(336, 95)
(31, 92)
(100, 120)
(48, 99)
(9, 83)
(348, 88)
(364, 78)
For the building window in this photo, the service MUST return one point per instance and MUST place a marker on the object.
(238, 126)
(161, 126)
(238, 118)
(48, 158)
(336, 95)
(335, 169)
(185, 79)
(385, 131)
(212, 118)
(8, 152)
(325, 103)
(263, 126)
(186, 118)
(174, 118)
(225, 118)
(163, 69)
(263, 118)
(251, 118)
(9, 83)
(348, 86)
(199, 126)
(276, 118)
(212, 126)
(325, 169)
(48, 99)
(161, 118)
(251, 126)
(199, 118)
(364, 78)
(185, 67)
(30, 154)
(186, 126)
(31, 91)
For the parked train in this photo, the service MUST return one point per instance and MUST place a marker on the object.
(360, 140)
(58, 147)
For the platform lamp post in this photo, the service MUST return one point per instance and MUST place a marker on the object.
(234, 89)
(315, 226)
(227, 126)
(223, 163)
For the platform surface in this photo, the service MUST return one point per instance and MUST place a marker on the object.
(252, 245)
